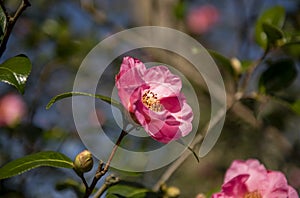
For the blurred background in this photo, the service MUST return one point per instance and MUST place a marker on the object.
(56, 35)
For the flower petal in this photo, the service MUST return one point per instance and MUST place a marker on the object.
(277, 185)
(236, 187)
(162, 81)
(129, 79)
(257, 172)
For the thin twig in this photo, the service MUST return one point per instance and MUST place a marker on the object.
(109, 181)
(11, 21)
(101, 171)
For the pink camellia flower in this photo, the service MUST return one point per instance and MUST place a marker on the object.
(250, 179)
(12, 108)
(201, 19)
(153, 99)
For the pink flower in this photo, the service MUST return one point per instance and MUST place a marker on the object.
(12, 109)
(250, 179)
(153, 99)
(201, 19)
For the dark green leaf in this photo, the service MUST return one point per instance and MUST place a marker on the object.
(278, 76)
(274, 35)
(15, 71)
(222, 61)
(3, 23)
(128, 191)
(46, 158)
(274, 16)
(70, 94)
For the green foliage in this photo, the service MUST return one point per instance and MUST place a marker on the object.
(296, 107)
(279, 75)
(274, 17)
(292, 48)
(274, 34)
(179, 9)
(222, 61)
(45, 158)
(70, 94)
(15, 71)
(3, 23)
(122, 190)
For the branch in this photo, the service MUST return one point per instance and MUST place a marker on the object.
(11, 21)
(102, 170)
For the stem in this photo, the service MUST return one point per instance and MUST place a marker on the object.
(101, 171)
(109, 181)
(11, 21)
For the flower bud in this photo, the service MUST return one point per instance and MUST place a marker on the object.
(172, 192)
(83, 162)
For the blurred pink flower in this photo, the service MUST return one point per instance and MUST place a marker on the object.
(12, 109)
(201, 19)
(250, 179)
(152, 97)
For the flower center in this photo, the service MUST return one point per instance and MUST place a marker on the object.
(150, 100)
(254, 194)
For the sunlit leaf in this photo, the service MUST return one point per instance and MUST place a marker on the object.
(15, 71)
(3, 23)
(70, 94)
(45, 158)
(274, 16)
(278, 76)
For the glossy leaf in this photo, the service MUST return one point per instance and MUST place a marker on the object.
(70, 94)
(46, 158)
(274, 16)
(275, 36)
(3, 23)
(278, 76)
(15, 71)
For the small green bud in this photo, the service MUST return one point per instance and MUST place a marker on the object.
(83, 162)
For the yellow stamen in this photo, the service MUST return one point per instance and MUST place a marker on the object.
(151, 101)
(254, 194)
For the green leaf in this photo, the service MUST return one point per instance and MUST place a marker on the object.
(45, 158)
(292, 48)
(70, 94)
(3, 23)
(274, 16)
(222, 61)
(274, 35)
(127, 191)
(278, 76)
(296, 107)
(15, 71)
